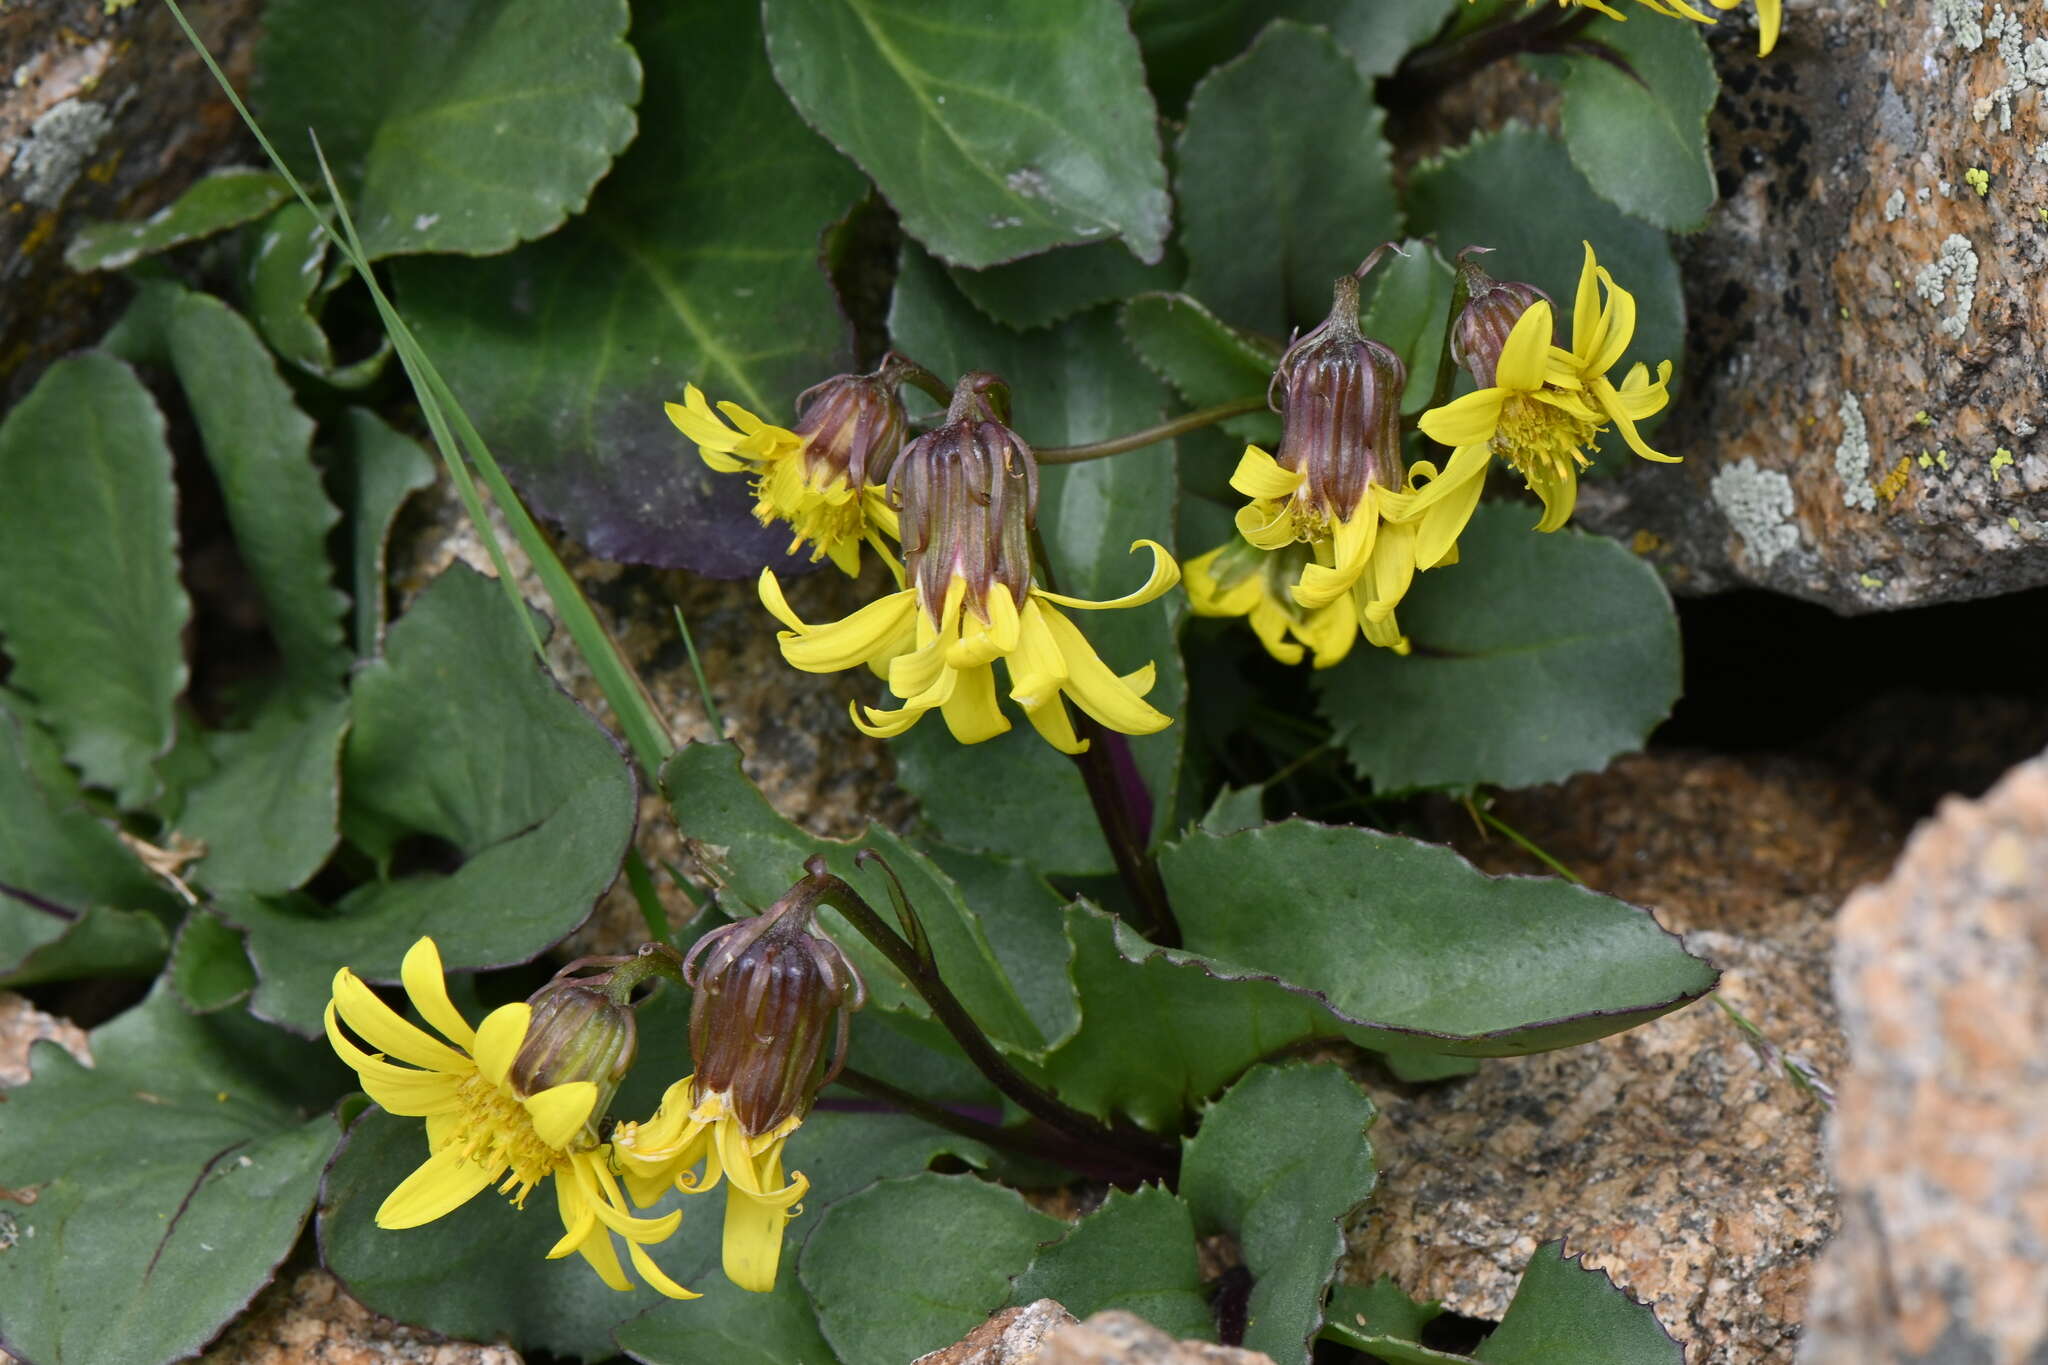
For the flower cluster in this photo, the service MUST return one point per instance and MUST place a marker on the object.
(1769, 14)
(517, 1100)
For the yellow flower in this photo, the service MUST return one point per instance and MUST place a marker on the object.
(1548, 404)
(692, 1128)
(815, 478)
(480, 1130)
(1769, 14)
(940, 656)
(969, 491)
(1238, 579)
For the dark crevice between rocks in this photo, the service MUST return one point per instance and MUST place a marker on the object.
(1914, 705)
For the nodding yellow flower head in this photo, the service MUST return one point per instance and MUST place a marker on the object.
(968, 492)
(484, 1127)
(1768, 13)
(1337, 485)
(1239, 579)
(1546, 404)
(769, 992)
(823, 476)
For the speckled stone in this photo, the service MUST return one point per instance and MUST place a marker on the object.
(1862, 406)
(22, 1026)
(1675, 1156)
(311, 1320)
(1941, 1142)
(1011, 1337)
(105, 113)
(791, 727)
(1117, 1338)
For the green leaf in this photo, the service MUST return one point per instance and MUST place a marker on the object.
(457, 736)
(481, 1273)
(1279, 1163)
(52, 846)
(36, 946)
(1418, 950)
(756, 855)
(1236, 808)
(466, 125)
(1073, 383)
(1642, 143)
(270, 813)
(1378, 1309)
(1480, 195)
(218, 201)
(697, 262)
(1411, 300)
(285, 270)
(1020, 913)
(1378, 35)
(1161, 1032)
(908, 1266)
(732, 1326)
(382, 468)
(260, 447)
(1053, 286)
(1562, 1310)
(91, 609)
(209, 969)
(1205, 359)
(965, 118)
(170, 1179)
(1536, 657)
(1135, 1253)
(1277, 201)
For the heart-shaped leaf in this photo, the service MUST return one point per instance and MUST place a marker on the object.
(465, 125)
(1641, 138)
(1275, 201)
(1207, 361)
(1135, 1253)
(270, 813)
(216, 202)
(1536, 657)
(697, 262)
(964, 116)
(172, 1176)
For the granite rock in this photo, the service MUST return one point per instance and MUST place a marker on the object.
(106, 113)
(22, 1026)
(1011, 1337)
(311, 1320)
(1117, 1338)
(1684, 1157)
(1862, 406)
(1941, 1140)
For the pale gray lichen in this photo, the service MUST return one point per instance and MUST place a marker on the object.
(1963, 18)
(1954, 268)
(1894, 205)
(1924, 195)
(2026, 67)
(58, 145)
(1852, 457)
(1758, 504)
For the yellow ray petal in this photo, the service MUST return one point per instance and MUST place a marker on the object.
(1586, 307)
(578, 1218)
(1526, 354)
(499, 1038)
(1619, 319)
(1210, 596)
(854, 640)
(656, 1277)
(1471, 420)
(1165, 573)
(378, 1025)
(1054, 726)
(560, 1111)
(1095, 689)
(971, 712)
(426, 985)
(443, 1183)
(1259, 475)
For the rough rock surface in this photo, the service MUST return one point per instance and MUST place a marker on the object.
(1941, 1142)
(1676, 1156)
(1011, 1337)
(310, 1320)
(1862, 413)
(105, 112)
(791, 727)
(1115, 1338)
(22, 1026)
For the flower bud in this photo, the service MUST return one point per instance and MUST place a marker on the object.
(768, 991)
(575, 1034)
(1491, 310)
(853, 424)
(1341, 415)
(968, 494)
